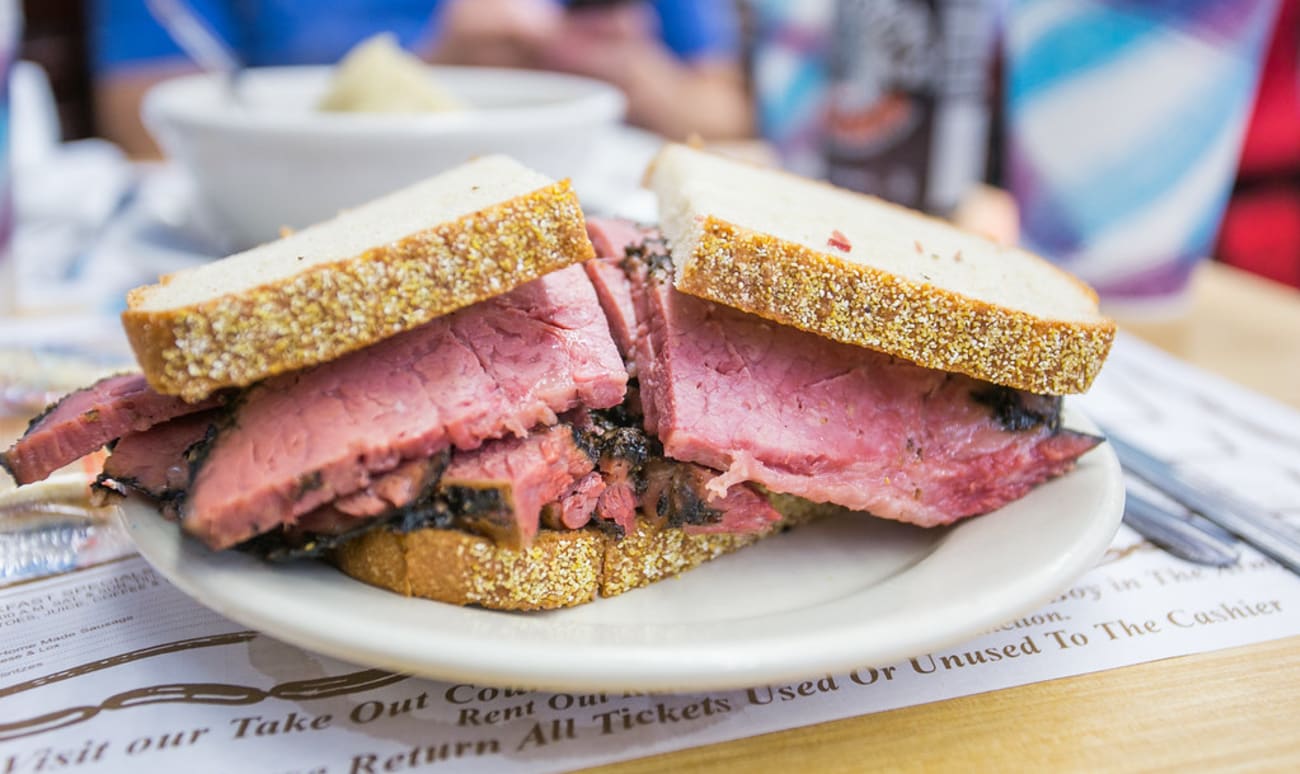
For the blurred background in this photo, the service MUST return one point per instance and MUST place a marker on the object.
(1134, 138)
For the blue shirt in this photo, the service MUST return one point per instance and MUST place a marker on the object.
(283, 32)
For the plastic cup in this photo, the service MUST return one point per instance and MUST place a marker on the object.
(1124, 125)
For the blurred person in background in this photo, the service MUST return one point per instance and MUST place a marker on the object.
(677, 61)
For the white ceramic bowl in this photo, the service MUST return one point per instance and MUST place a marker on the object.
(270, 159)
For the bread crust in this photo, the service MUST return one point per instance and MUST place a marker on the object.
(335, 308)
(561, 569)
(862, 305)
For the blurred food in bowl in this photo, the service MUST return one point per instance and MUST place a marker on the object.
(377, 76)
(264, 156)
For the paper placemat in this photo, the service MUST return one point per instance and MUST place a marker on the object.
(111, 668)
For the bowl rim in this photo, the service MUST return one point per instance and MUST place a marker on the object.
(595, 101)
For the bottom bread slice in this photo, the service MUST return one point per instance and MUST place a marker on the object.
(560, 569)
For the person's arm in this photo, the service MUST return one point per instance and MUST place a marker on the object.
(118, 95)
(678, 99)
(677, 96)
(676, 93)
(132, 52)
(493, 33)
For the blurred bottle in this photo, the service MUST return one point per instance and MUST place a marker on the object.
(908, 109)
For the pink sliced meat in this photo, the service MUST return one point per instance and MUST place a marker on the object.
(154, 461)
(612, 236)
(839, 424)
(397, 488)
(85, 420)
(740, 511)
(500, 367)
(743, 510)
(502, 486)
(615, 294)
(578, 504)
(618, 503)
(679, 493)
(316, 532)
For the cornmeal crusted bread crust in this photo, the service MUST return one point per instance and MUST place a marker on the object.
(333, 308)
(560, 569)
(863, 271)
(859, 304)
(650, 554)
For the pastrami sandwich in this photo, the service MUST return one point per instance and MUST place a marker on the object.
(451, 394)
(832, 346)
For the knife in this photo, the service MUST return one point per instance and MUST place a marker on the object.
(1177, 535)
(1259, 529)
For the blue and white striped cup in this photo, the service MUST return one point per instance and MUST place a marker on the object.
(1124, 126)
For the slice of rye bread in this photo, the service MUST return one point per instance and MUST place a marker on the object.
(561, 569)
(860, 270)
(395, 263)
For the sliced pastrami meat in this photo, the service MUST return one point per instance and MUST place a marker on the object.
(744, 510)
(402, 491)
(831, 422)
(576, 505)
(678, 492)
(615, 294)
(85, 420)
(618, 504)
(155, 462)
(397, 488)
(611, 238)
(500, 367)
(499, 489)
(621, 448)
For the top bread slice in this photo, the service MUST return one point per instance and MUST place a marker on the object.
(468, 234)
(860, 270)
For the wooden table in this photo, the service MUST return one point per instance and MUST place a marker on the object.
(1237, 708)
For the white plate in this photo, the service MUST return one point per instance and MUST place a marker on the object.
(831, 596)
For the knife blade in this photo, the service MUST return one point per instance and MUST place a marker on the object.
(1178, 536)
(1256, 528)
